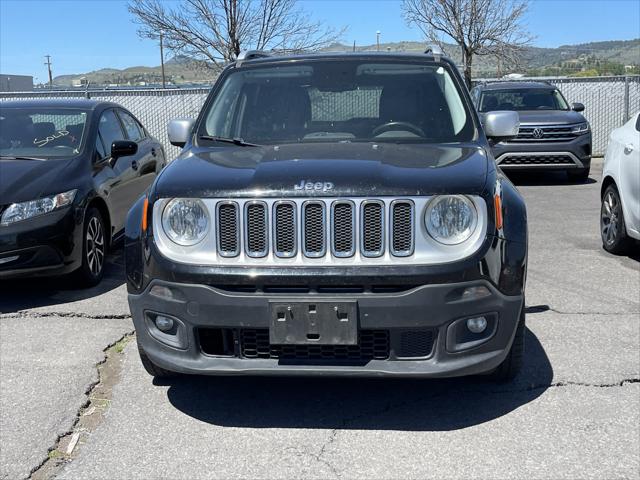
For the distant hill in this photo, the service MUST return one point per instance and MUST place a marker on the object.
(535, 60)
(178, 71)
(594, 58)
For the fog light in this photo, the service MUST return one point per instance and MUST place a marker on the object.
(477, 325)
(165, 324)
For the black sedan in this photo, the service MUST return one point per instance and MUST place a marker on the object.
(69, 172)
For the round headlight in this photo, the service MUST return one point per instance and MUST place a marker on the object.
(451, 219)
(185, 221)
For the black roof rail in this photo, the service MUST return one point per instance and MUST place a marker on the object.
(434, 50)
(250, 55)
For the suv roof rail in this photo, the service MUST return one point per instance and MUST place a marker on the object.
(434, 50)
(250, 55)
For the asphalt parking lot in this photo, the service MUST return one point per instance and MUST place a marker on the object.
(573, 413)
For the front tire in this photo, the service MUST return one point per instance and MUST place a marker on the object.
(94, 249)
(511, 366)
(612, 227)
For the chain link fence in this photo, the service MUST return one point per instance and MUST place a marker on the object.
(609, 102)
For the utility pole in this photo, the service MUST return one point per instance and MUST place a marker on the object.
(164, 85)
(378, 39)
(48, 64)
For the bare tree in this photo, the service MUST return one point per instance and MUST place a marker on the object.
(479, 27)
(217, 30)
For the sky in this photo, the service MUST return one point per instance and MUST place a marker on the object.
(86, 35)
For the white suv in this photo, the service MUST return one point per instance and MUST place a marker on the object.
(620, 211)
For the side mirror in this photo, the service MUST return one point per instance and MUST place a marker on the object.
(122, 148)
(577, 107)
(501, 125)
(179, 131)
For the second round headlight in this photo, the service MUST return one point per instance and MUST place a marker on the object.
(451, 219)
(185, 221)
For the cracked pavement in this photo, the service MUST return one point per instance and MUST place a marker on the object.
(574, 412)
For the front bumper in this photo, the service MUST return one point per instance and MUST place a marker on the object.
(559, 155)
(433, 308)
(50, 244)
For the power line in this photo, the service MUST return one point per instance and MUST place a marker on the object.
(48, 64)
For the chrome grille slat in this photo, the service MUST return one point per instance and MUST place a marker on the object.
(285, 227)
(256, 229)
(228, 223)
(372, 228)
(402, 228)
(314, 228)
(343, 228)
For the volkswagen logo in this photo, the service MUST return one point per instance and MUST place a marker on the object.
(538, 133)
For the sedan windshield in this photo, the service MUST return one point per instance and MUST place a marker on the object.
(41, 133)
(338, 101)
(522, 99)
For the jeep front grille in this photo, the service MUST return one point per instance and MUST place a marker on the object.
(320, 231)
(322, 224)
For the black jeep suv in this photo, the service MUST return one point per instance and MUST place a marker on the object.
(553, 135)
(332, 214)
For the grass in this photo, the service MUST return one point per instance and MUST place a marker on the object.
(121, 344)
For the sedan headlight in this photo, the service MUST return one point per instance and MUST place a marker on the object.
(451, 219)
(17, 212)
(580, 128)
(185, 221)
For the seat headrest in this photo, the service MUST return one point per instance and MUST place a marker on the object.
(43, 129)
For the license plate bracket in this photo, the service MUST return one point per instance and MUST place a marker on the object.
(313, 323)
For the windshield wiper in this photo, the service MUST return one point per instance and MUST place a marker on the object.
(20, 157)
(236, 141)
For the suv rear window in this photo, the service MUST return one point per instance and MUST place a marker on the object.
(522, 99)
(329, 101)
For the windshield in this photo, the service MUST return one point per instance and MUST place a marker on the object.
(339, 101)
(43, 132)
(522, 99)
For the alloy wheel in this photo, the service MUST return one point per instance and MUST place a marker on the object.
(610, 218)
(95, 246)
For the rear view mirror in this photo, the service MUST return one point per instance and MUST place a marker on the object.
(501, 125)
(577, 107)
(179, 131)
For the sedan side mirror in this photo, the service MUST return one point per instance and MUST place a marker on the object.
(501, 125)
(122, 148)
(577, 107)
(179, 131)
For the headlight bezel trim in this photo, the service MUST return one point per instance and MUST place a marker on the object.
(166, 227)
(434, 201)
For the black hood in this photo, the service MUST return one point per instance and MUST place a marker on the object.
(337, 169)
(22, 180)
(550, 117)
